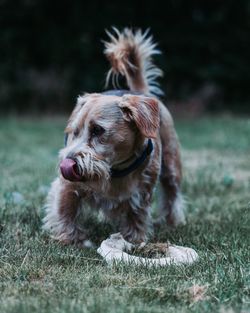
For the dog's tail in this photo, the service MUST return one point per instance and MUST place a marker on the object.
(130, 54)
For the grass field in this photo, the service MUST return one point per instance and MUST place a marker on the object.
(39, 275)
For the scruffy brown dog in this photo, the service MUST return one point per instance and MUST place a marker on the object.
(119, 143)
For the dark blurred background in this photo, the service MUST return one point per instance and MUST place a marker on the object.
(51, 51)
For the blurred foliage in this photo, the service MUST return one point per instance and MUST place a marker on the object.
(51, 50)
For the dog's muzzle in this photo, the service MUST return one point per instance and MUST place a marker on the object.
(85, 168)
(69, 170)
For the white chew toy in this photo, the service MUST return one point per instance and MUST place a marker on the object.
(112, 249)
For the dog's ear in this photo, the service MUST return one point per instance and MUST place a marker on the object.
(81, 100)
(144, 111)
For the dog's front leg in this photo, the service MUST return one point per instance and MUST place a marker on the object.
(135, 226)
(62, 209)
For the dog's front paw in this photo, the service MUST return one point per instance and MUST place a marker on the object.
(87, 244)
(134, 236)
(73, 236)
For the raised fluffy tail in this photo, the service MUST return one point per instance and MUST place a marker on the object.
(130, 54)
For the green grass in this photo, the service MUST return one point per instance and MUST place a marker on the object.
(40, 275)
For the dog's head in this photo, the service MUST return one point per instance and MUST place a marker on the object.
(105, 131)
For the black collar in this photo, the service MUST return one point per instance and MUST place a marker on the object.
(132, 167)
(124, 172)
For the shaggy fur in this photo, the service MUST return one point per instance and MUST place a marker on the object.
(109, 131)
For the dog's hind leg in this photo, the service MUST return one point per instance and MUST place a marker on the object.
(171, 203)
(62, 209)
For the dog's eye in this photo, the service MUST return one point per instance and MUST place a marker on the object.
(76, 132)
(97, 130)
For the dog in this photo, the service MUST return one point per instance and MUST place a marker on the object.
(119, 144)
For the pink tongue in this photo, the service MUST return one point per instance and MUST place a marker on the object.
(68, 169)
